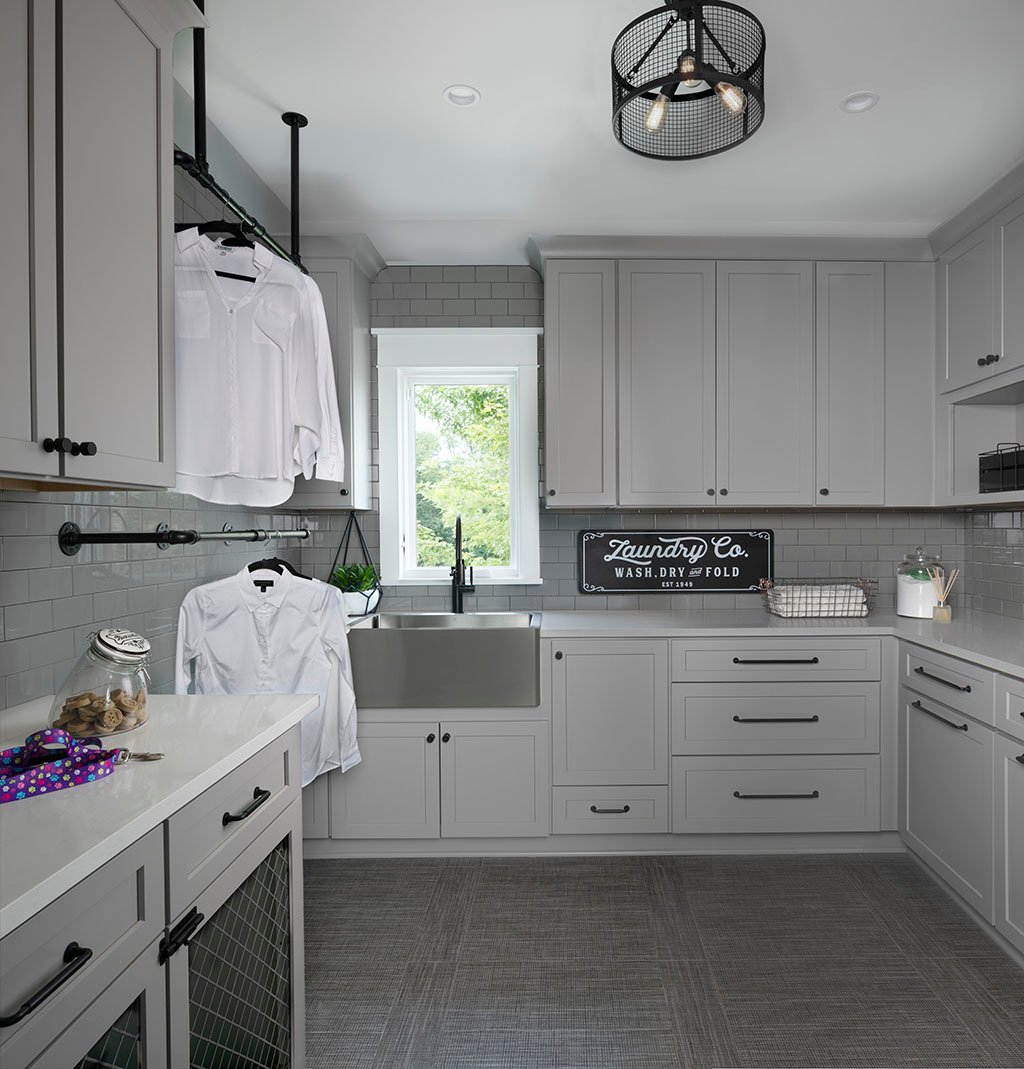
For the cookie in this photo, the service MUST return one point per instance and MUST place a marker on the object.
(110, 719)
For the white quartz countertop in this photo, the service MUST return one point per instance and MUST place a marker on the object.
(49, 844)
(997, 642)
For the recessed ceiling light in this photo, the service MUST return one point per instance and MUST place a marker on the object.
(858, 102)
(462, 96)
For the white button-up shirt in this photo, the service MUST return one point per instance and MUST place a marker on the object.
(235, 637)
(330, 457)
(253, 395)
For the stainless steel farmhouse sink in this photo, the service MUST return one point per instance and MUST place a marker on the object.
(446, 660)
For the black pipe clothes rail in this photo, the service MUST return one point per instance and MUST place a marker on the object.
(71, 537)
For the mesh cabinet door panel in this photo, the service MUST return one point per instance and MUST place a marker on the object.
(121, 1047)
(240, 976)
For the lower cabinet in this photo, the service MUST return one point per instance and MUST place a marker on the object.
(1009, 836)
(446, 779)
(946, 795)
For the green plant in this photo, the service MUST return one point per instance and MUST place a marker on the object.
(354, 578)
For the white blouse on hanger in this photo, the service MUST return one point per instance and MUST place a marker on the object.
(264, 633)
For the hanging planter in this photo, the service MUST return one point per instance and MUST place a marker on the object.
(359, 582)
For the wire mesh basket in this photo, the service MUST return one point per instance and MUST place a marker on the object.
(819, 597)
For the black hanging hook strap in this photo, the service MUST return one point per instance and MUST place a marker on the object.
(344, 547)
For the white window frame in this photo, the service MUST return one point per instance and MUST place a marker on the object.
(408, 357)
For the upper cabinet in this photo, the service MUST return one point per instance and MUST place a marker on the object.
(765, 383)
(346, 294)
(88, 205)
(579, 383)
(1009, 275)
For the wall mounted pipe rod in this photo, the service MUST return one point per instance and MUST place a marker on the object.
(71, 537)
(296, 122)
(199, 90)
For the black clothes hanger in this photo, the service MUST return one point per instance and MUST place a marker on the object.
(275, 564)
(237, 239)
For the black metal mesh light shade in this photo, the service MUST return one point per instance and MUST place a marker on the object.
(718, 48)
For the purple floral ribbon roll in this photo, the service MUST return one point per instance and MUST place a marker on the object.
(52, 760)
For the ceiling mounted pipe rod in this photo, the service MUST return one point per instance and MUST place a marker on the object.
(199, 90)
(71, 537)
(296, 122)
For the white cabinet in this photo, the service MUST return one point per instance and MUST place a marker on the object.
(946, 795)
(765, 424)
(579, 383)
(452, 779)
(609, 715)
(92, 351)
(346, 294)
(1009, 276)
(1009, 840)
(850, 384)
(666, 382)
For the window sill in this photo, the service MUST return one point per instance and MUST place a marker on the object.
(515, 581)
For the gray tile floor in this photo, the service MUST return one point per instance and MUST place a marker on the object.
(648, 962)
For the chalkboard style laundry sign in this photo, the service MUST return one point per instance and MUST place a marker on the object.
(651, 562)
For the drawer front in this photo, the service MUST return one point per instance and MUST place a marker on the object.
(775, 794)
(114, 913)
(200, 845)
(721, 659)
(598, 810)
(953, 682)
(1010, 706)
(779, 718)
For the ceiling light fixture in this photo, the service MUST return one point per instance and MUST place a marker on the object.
(688, 80)
(462, 96)
(858, 102)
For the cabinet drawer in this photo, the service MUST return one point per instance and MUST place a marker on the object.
(114, 913)
(775, 794)
(1010, 706)
(202, 841)
(953, 682)
(782, 718)
(715, 660)
(596, 810)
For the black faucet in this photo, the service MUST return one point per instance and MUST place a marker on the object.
(459, 584)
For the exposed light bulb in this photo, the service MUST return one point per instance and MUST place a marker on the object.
(688, 65)
(656, 113)
(733, 98)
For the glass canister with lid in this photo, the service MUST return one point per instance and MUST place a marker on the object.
(915, 592)
(105, 693)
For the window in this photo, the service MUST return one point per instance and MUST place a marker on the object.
(458, 436)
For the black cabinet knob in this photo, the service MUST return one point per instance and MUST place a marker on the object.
(723, 492)
(711, 492)
(551, 493)
(445, 737)
(58, 445)
(823, 491)
(982, 361)
(431, 737)
(994, 358)
(343, 492)
(88, 449)
(559, 655)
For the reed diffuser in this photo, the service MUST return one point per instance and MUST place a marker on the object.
(943, 585)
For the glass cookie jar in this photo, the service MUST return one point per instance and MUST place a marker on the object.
(105, 693)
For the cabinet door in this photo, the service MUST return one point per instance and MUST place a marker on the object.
(495, 779)
(1009, 845)
(116, 212)
(666, 382)
(125, 1028)
(765, 424)
(1009, 241)
(609, 716)
(965, 304)
(393, 792)
(28, 286)
(315, 812)
(579, 383)
(947, 795)
(850, 382)
(346, 295)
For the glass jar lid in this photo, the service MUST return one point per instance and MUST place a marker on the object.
(120, 646)
(920, 558)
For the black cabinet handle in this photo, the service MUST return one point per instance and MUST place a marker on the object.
(941, 719)
(624, 809)
(74, 958)
(446, 737)
(58, 445)
(813, 794)
(559, 655)
(259, 796)
(823, 491)
(777, 660)
(776, 719)
(431, 737)
(945, 682)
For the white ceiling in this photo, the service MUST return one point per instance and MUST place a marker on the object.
(428, 182)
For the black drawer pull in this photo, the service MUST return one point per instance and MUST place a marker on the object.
(624, 809)
(74, 958)
(813, 794)
(259, 796)
(776, 660)
(776, 719)
(941, 719)
(945, 682)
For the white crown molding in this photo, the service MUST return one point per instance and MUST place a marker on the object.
(355, 247)
(982, 208)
